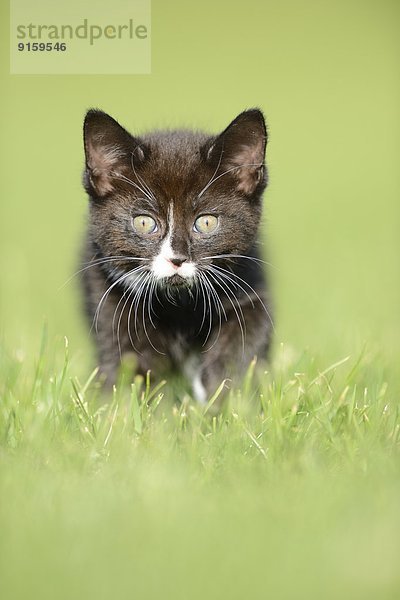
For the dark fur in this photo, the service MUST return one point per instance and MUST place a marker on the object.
(176, 166)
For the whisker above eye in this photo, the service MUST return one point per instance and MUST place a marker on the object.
(214, 179)
(148, 199)
(215, 172)
(121, 177)
(140, 179)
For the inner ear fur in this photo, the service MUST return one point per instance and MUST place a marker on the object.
(240, 149)
(108, 147)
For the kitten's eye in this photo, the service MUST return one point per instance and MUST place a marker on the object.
(144, 224)
(205, 224)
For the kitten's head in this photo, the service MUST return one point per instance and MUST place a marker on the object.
(174, 200)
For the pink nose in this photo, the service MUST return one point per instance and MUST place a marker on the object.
(177, 261)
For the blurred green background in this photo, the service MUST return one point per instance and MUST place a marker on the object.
(326, 75)
(189, 510)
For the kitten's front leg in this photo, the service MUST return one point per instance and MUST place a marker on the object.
(236, 346)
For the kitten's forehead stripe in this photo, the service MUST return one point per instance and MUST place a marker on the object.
(172, 230)
(170, 218)
(162, 265)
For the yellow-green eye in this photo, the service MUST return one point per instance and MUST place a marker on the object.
(206, 224)
(144, 224)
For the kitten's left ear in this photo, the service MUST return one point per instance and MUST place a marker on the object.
(240, 149)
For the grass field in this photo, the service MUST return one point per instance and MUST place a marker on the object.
(293, 491)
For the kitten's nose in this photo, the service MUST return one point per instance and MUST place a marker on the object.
(178, 260)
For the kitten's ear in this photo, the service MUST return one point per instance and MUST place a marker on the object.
(108, 149)
(240, 149)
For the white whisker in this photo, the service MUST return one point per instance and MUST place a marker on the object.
(238, 311)
(215, 172)
(146, 292)
(120, 319)
(140, 179)
(217, 271)
(132, 183)
(150, 302)
(107, 292)
(214, 179)
(207, 286)
(220, 310)
(252, 258)
(135, 303)
(232, 273)
(100, 261)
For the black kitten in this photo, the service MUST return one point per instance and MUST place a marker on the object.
(174, 273)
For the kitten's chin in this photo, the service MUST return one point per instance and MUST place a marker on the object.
(176, 281)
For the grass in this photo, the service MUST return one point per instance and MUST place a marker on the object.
(292, 491)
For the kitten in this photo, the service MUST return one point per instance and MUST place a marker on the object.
(171, 269)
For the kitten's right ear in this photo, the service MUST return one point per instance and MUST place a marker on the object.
(109, 150)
